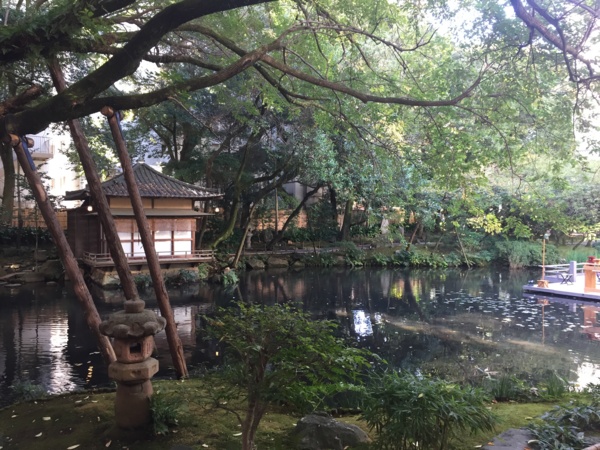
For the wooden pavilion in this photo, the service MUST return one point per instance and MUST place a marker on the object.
(172, 208)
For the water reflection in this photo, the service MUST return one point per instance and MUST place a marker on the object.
(450, 323)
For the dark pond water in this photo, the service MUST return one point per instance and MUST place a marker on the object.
(453, 323)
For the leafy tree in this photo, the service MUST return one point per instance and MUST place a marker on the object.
(278, 355)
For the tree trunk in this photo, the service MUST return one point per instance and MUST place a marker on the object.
(579, 243)
(66, 255)
(345, 230)
(240, 250)
(279, 235)
(95, 186)
(333, 200)
(254, 414)
(158, 282)
(8, 190)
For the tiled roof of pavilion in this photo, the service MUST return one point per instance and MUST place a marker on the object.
(151, 184)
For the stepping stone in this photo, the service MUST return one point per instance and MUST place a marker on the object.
(513, 439)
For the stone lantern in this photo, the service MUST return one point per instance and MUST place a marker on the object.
(133, 331)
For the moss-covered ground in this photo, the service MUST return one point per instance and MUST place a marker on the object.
(85, 420)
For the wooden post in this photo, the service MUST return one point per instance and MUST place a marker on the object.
(95, 186)
(158, 282)
(66, 255)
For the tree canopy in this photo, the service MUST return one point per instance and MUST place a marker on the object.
(372, 98)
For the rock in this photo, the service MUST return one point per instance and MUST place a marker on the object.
(105, 279)
(30, 277)
(319, 431)
(255, 264)
(52, 270)
(298, 264)
(274, 262)
(40, 255)
(339, 260)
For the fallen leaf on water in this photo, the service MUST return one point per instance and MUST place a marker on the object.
(108, 444)
(72, 447)
(46, 418)
(77, 401)
(13, 416)
(38, 435)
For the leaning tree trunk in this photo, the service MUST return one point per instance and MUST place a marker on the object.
(95, 187)
(8, 190)
(64, 250)
(158, 282)
(279, 234)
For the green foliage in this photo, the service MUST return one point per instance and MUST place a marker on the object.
(505, 388)
(555, 386)
(563, 427)
(519, 254)
(26, 390)
(379, 259)
(203, 271)
(165, 412)
(28, 235)
(319, 260)
(279, 355)
(182, 276)
(580, 254)
(419, 258)
(142, 280)
(230, 278)
(352, 254)
(410, 412)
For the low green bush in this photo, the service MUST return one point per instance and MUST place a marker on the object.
(230, 278)
(142, 280)
(411, 412)
(165, 412)
(519, 254)
(203, 271)
(563, 428)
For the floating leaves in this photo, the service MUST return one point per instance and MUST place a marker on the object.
(72, 447)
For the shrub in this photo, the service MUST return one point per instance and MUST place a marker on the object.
(203, 271)
(142, 280)
(563, 427)
(230, 278)
(411, 412)
(165, 412)
(555, 386)
(352, 254)
(279, 355)
(505, 388)
(519, 254)
(379, 259)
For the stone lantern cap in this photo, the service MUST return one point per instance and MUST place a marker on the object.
(133, 322)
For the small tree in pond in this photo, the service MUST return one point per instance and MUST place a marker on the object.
(278, 355)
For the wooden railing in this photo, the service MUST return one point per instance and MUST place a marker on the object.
(95, 259)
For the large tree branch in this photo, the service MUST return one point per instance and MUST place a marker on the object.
(338, 87)
(14, 104)
(38, 118)
(557, 38)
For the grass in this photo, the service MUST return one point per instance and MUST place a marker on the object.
(87, 419)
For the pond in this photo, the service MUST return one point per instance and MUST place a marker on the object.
(456, 324)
